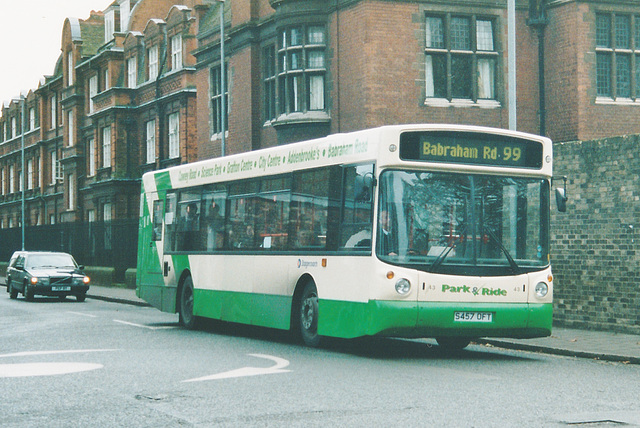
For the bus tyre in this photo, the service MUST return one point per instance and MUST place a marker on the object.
(185, 305)
(308, 315)
(453, 343)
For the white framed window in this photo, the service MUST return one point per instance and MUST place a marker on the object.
(107, 83)
(451, 50)
(2, 182)
(20, 183)
(301, 70)
(151, 141)
(132, 73)
(174, 135)
(91, 155)
(54, 105)
(30, 174)
(54, 166)
(109, 25)
(217, 99)
(12, 178)
(106, 211)
(52, 219)
(70, 67)
(106, 217)
(71, 128)
(106, 147)
(71, 191)
(152, 55)
(93, 91)
(176, 52)
(14, 127)
(91, 216)
(125, 12)
(32, 119)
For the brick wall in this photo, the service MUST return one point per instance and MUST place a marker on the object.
(596, 243)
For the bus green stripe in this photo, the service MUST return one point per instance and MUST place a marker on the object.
(432, 319)
(264, 310)
(385, 318)
(163, 180)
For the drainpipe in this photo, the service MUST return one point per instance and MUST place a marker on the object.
(538, 21)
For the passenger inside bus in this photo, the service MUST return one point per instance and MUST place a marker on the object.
(387, 238)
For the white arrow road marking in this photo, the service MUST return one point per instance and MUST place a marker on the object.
(44, 369)
(70, 351)
(281, 363)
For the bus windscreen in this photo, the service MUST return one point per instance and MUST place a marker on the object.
(471, 148)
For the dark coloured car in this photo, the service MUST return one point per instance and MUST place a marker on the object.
(46, 273)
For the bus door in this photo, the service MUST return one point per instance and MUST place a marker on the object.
(150, 269)
(169, 240)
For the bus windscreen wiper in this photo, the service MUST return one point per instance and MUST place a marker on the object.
(512, 262)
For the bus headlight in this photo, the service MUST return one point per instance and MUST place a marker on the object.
(403, 286)
(541, 289)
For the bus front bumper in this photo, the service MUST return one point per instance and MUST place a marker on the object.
(435, 319)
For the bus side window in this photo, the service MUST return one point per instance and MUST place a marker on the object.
(169, 223)
(158, 208)
(357, 207)
(188, 232)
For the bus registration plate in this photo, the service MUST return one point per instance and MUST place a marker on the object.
(473, 316)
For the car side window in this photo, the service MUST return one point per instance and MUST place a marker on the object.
(19, 262)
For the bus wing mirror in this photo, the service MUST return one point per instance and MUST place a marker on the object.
(561, 194)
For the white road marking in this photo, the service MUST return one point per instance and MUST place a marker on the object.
(44, 369)
(82, 314)
(249, 371)
(71, 351)
(164, 327)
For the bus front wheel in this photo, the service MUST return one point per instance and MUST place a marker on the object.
(185, 305)
(308, 315)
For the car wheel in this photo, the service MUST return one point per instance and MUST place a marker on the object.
(27, 292)
(81, 297)
(185, 305)
(13, 293)
(308, 315)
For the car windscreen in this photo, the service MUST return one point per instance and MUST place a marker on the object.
(50, 261)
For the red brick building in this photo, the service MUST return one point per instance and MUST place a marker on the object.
(137, 86)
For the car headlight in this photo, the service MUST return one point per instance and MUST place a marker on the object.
(403, 286)
(541, 289)
(34, 280)
(86, 279)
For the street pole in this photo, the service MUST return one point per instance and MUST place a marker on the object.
(223, 108)
(511, 41)
(22, 177)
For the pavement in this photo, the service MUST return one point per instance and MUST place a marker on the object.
(593, 344)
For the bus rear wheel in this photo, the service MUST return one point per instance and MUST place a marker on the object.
(308, 315)
(185, 305)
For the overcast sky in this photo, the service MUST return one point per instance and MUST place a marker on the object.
(30, 38)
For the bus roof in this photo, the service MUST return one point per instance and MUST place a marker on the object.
(342, 148)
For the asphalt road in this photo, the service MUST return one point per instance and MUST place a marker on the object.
(102, 364)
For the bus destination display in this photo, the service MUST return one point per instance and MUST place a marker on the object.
(470, 148)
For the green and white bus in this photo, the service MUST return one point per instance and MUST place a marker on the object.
(435, 231)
